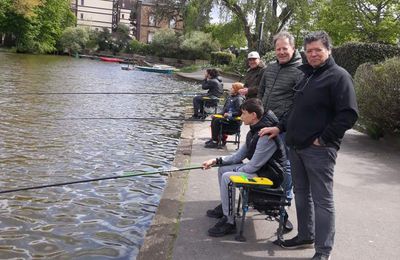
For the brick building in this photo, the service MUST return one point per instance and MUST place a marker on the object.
(98, 14)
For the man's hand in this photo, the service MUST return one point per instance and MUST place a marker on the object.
(270, 131)
(208, 164)
(226, 115)
(243, 91)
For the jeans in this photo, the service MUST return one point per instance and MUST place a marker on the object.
(312, 172)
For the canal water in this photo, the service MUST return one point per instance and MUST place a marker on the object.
(49, 138)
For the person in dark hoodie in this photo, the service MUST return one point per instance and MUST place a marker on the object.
(213, 83)
(229, 112)
(267, 158)
(253, 75)
(324, 108)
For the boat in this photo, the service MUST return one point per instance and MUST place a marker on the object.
(108, 59)
(157, 68)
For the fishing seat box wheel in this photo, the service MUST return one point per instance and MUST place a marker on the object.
(260, 195)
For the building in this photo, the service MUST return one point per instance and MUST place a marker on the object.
(99, 14)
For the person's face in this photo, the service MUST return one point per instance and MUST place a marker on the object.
(253, 63)
(283, 50)
(316, 53)
(248, 118)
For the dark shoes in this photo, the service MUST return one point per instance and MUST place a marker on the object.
(295, 243)
(211, 145)
(222, 228)
(319, 256)
(287, 225)
(215, 213)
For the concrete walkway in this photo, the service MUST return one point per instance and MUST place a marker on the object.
(367, 193)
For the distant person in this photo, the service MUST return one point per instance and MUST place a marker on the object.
(213, 83)
(324, 108)
(267, 158)
(253, 75)
(229, 112)
(277, 83)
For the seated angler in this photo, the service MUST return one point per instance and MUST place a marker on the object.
(227, 118)
(212, 83)
(267, 158)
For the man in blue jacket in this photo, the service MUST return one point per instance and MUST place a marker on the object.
(324, 108)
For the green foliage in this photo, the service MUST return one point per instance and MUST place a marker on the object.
(378, 95)
(198, 45)
(238, 66)
(269, 57)
(191, 68)
(223, 58)
(358, 20)
(165, 43)
(351, 55)
(228, 34)
(120, 38)
(137, 47)
(197, 15)
(74, 39)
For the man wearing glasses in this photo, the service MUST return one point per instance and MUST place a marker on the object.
(324, 108)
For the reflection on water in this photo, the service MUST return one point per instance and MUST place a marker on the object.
(98, 220)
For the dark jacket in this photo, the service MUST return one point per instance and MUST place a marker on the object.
(324, 107)
(274, 169)
(276, 85)
(233, 103)
(252, 80)
(214, 86)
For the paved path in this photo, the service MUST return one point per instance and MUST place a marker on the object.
(367, 193)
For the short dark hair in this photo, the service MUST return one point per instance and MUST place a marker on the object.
(319, 35)
(213, 73)
(253, 105)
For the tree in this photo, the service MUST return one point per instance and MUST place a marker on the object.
(228, 34)
(165, 43)
(197, 15)
(74, 39)
(360, 20)
(198, 45)
(275, 14)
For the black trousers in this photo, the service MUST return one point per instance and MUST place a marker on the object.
(228, 126)
(198, 105)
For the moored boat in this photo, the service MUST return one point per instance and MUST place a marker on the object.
(157, 69)
(108, 59)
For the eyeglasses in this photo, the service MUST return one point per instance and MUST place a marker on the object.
(304, 86)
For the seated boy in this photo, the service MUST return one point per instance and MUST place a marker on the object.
(230, 111)
(267, 158)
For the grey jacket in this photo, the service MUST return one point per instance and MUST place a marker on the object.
(214, 86)
(276, 86)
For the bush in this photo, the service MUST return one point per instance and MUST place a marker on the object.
(269, 57)
(222, 58)
(198, 45)
(378, 94)
(351, 55)
(74, 39)
(165, 43)
(137, 47)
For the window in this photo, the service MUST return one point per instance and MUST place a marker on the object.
(152, 20)
(150, 36)
(122, 16)
(172, 23)
(82, 2)
(82, 16)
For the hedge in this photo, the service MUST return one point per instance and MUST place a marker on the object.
(378, 96)
(351, 55)
(222, 58)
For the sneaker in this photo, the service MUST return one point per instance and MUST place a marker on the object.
(216, 212)
(209, 141)
(297, 243)
(319, 256)
(222, 228)
(211, 145)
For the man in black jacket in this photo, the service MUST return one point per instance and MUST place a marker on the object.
(324, 108)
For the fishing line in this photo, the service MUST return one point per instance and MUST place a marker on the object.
(132, 118)
(127, 174)
(100, 93)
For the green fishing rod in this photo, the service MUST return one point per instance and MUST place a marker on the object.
(126, 175)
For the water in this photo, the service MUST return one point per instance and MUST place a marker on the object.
(99, 220)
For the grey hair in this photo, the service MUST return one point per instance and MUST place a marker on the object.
(319, 35)
(283, 35)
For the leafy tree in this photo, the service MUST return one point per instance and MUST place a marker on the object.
(228, 34)
(74, 39)
(198, 45)
(197, 15)
(276, 15)
(360, 20)
(165, 43)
